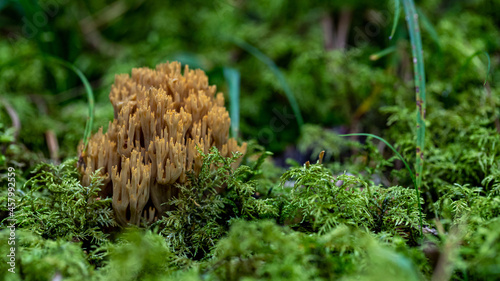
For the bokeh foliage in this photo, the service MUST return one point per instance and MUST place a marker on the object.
(354, 216)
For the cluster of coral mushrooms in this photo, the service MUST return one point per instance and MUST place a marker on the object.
(161, 117)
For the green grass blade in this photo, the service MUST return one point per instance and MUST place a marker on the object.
(88, 89)
(427, 25)
(383, 53)
(232, 77)
(397, 11)
(392, 148)
(79, 73)
(281, 78)
(466, 64)
(406, 165)
(419, 72)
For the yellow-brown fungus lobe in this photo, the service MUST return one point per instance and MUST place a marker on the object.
(161, 116)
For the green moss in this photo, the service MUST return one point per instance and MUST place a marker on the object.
(56, 205)
(352, 217)
(44, 259)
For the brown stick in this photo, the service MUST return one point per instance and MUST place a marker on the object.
(106, 15)
(53, 145)
(50, 136)
(328, 32)
(16, 122)
(90, 26)
(444, 267)
(343, 28)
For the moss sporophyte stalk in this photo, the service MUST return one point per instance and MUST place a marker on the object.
(162, 118)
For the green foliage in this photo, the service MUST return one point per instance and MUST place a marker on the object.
(6, 137)
(58, 206)
(324, 199)
(321, 201)
(44, 259)
(416, 186)
(479, 257)
(477, 212)
(338, 227)
(138, 255)
(314, 138)
(279, 75)
(90, 96)
(262, 250)
(395, 152)
(216, 231)
(201, 215)
(469, 205)
(289, 34)
(463, 148)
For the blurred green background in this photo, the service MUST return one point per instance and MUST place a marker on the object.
(329, 53)
(308, 71)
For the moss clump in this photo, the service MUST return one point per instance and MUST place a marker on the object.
(57, 205)
(319, 201)
(202, 214)
(38, 258)
(317, 226)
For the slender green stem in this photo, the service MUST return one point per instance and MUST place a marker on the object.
(467, 62)
(391, 147)
(383, 53)
(397, 8)
(88, 89)
(419, 72)
(233, 79)
(427, 26)
(281, 78)
(79, 73)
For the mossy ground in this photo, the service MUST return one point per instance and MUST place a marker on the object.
(311, 224)
(353, 216)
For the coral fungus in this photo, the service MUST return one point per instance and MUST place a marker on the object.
(161, 118)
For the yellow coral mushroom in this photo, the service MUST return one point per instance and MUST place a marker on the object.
(161, 116)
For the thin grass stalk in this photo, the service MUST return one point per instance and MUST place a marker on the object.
(90, 95)
(466, 64)
(419, 72)
(232, 77)
(79, 73)
(281, 78)
(397, 8)
(427, 26)
(391, 147)
(383, 53)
